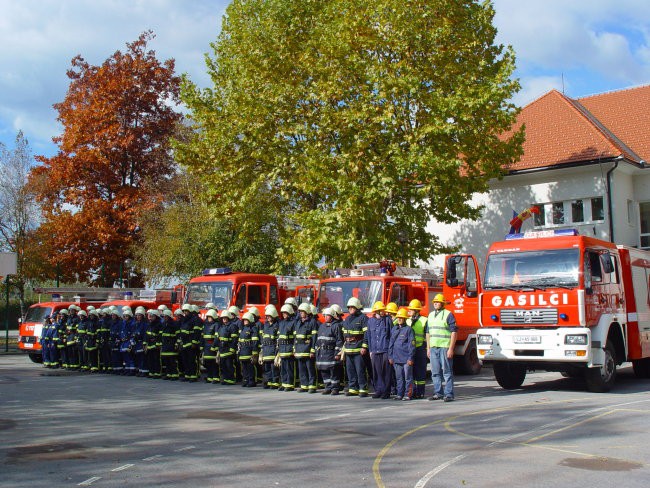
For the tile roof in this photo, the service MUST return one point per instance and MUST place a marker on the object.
(561, 130)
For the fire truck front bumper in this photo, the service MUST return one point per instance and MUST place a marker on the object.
(563, 345)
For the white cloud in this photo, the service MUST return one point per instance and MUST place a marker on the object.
(599, 39)
(38, 39)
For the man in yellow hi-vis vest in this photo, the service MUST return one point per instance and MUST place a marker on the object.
(441, 332)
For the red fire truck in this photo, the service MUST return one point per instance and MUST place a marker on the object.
(31, 325)
(224, 288)
(390, 283)
(559, 301)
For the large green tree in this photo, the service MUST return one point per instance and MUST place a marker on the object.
(356, 121)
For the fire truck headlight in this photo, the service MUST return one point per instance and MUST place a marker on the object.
(485, 340)
(576, 340)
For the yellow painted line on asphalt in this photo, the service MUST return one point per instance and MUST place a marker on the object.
(447, 424)
(386, 448)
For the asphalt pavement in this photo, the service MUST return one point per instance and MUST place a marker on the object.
(61, 428)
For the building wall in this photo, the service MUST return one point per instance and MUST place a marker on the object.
(519, 192)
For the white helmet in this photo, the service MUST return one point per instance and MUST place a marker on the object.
(250, 317)
(212, 313)
(140, 310)
(304, 307)
(355, 302)
(225, 314)
(82, 313)
(314, 310)
(186, 307)
(254, 311)
(162, 307)
(178, 311)
(153, 312)
(210, 306)
(271, 311)
(167, 312)
(89, 308)
(291, 301)
(127, 312)
(287, 308)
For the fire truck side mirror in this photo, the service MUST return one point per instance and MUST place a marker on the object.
(450, 275)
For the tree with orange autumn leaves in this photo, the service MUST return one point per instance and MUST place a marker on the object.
(114, 156)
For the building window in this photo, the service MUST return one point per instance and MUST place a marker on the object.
(577, 211)
(558, 213)
(573, 212)
(540, 218)
(597, 209)
(644, 214)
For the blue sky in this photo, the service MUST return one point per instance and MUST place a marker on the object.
(579, 46)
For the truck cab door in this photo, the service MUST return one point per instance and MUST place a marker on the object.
(462, 286)
(402, 292)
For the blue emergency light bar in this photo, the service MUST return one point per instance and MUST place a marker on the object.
(128, 295)
(216, 271)
(535, 234)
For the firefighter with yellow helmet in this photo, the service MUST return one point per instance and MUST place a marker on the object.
(418, 324)
(441, 335)
(378, 338)
(401, 352)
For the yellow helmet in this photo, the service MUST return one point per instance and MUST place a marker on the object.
(402, 314)
(391, 307)
(378, 307)
(415, 304)
(440, 298)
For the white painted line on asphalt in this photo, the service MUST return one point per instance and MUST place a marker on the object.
(151, 458)
(122, 468)
(214, 441)
(186, 448)
(493, 418)
(369, 410)
(89, 481)
(319, 419)
(425, 479)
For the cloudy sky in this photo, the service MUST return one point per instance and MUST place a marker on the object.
(579, 46)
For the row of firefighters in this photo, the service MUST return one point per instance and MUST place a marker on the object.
(388, 348)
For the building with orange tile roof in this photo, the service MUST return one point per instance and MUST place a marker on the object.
(584, 165)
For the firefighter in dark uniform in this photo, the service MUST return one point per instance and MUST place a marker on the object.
(418, 324)
(354, 334)
(304, 348)
(103, 338)
(378, 338)
(227, 335)
(61, 322)
(259, 368)
(90, 344)
(72, 339)
(329, 341)
(269, 348)
(209, 355)
(127, 341)
(139, 336)
(117, 364)
(286, 335)
(168, 342)
(189, 335)
(152, 343)
(46, 341)
(82, 325)
(248, 346)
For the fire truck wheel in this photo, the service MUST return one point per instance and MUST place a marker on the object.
(641, 368)
(469, 363)
(600, 380)
(36, 358)
(510, 376)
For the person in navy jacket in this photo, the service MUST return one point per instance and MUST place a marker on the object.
(378, 339)
(401, 352)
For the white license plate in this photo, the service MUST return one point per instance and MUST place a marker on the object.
(527, 339)
(28, 345)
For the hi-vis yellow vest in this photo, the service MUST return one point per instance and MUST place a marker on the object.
(439, 333)
(418, 329)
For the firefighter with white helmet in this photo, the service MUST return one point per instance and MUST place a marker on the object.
(354, 334)
(127, 341)
(269, 348)
(441, 336)
(153, 343)
(304, 348)
(329, 342)
(227, 335)
(418, 323)
(91, 344)
(115, 328)
(189, 335)
(286, 335)
(168, 350)
(248, 345)
(139, 336)
(209, 354)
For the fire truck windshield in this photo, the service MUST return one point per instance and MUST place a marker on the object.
(202, 293)
(37, 314)
(368, 291)
(533, 269)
